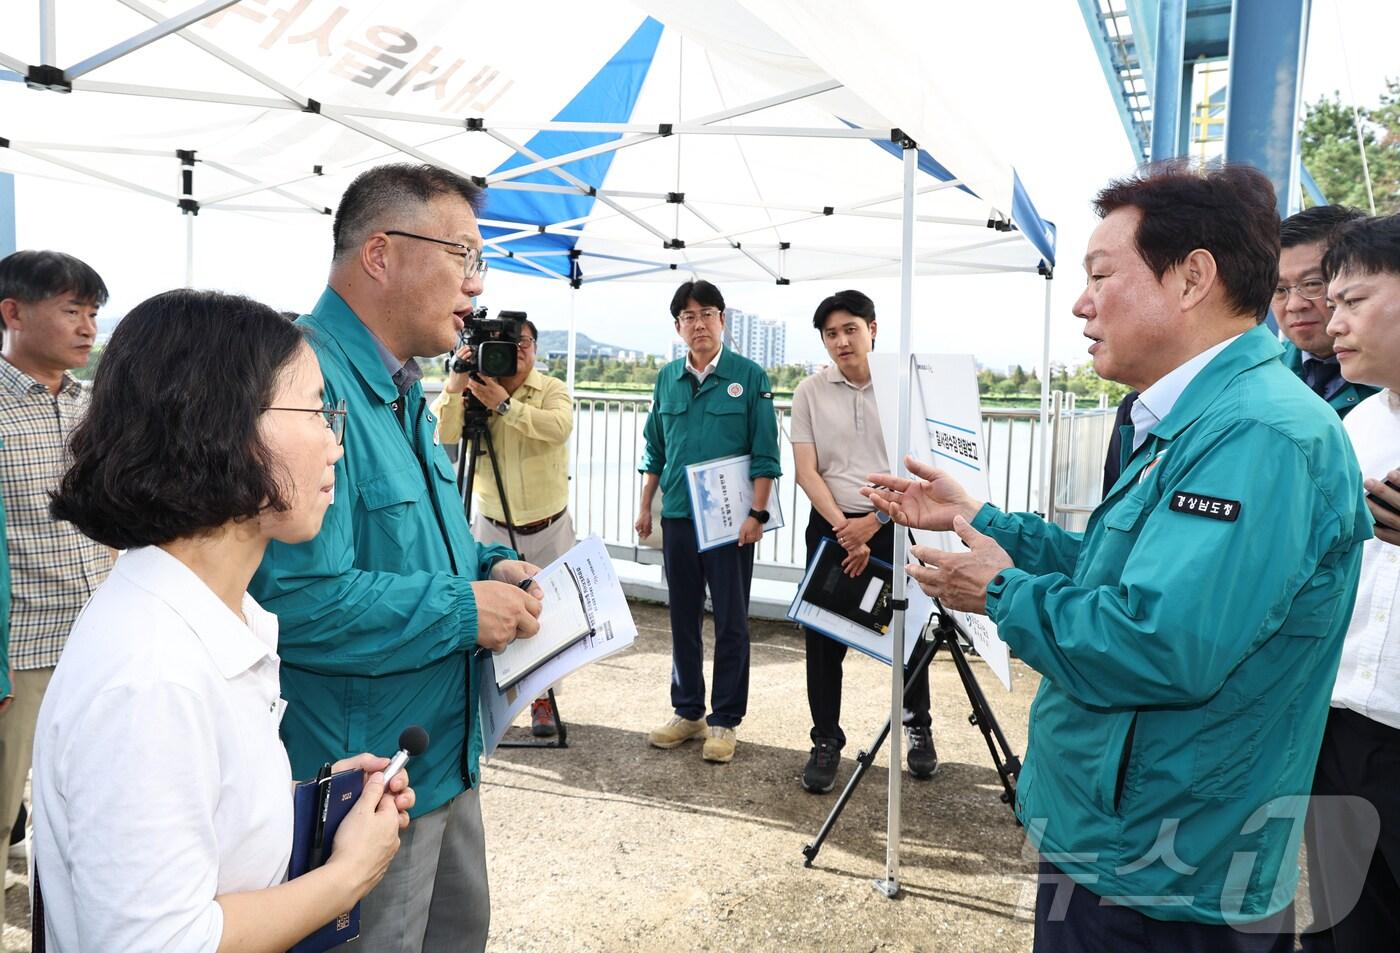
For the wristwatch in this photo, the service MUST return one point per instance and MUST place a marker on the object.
(760, 515)
(503, 407)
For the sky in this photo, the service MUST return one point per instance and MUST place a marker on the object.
(1050, 114)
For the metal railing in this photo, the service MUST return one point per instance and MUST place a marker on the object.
(607, 445)
(606, 488)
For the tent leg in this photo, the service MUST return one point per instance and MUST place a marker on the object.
(189, 250)
(889, 886)
(1047, 452)
(189, 207)
(573, 338)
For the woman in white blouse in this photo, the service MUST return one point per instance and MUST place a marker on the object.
(162, 794)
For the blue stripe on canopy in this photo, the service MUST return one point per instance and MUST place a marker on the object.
(927, 163)
(609, 96)
(1024, 216)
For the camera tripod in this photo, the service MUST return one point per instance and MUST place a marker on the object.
(476, 435)
(946, 635)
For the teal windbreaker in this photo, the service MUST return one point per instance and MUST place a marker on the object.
(1189, 639)
(377, 618)
(728, 415)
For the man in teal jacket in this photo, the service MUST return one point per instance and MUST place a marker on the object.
(1188, 639)
(710, 404)
(385, 614)
(1300, 305)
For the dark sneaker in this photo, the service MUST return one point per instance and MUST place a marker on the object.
(819, 776)
(923, 760)
(542, 723)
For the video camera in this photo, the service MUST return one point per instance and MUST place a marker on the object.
(493, 342)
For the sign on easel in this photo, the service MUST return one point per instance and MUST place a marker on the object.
(945, 430)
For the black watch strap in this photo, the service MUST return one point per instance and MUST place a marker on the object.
(760, 515)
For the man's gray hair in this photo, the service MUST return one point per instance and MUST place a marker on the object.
(384, 196)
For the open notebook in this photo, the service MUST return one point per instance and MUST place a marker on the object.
(564, 619)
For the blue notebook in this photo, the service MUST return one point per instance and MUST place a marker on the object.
(318, 807)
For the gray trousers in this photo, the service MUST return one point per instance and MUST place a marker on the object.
(434, 899)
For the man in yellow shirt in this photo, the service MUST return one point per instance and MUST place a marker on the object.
(531, 418)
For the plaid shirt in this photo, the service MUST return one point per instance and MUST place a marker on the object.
(53, 567)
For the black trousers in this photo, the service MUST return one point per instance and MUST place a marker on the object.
(728, 570)
(1071, 919)
(825, 655)
(1355, 889)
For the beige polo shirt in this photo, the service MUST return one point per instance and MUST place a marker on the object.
(843, 423)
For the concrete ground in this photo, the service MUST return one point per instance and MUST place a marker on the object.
(612, 845)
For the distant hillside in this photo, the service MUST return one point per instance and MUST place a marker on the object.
(558, 341)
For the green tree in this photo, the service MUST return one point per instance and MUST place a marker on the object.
(1330, 152)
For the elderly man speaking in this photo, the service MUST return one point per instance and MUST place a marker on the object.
(1188, 639)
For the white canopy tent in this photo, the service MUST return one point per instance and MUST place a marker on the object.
(739, 140)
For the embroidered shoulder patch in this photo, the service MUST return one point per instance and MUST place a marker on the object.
(1209, 506)
(766, 395)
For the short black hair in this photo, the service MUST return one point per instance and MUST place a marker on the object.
(32, 276)
(701, 292)
(169, 447)
(1368, 246)
(376, 197)
(1316, 224)
(1228, 210)
(852, 301)
(534, 331)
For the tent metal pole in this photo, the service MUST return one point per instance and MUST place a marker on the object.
(609, 128)
(222, 56)
(254, 187)
(735, 245)
(647, 129)
(189, 250)
(190, 208)
(795, 132)
(889, 886)
(576, 181)
(186, 95)
(146, 37)
(260, 209)
(101, 150)
(18, 66)
(573, 339)
(732, 113)
(1047, 452)
(48, 33)
(94, 173)
(274, 189)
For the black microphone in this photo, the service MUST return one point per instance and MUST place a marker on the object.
(413, 741)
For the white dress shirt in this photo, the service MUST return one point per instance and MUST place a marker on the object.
(159, 779)
(709, 368)
(1154, 403)
(1368, 681)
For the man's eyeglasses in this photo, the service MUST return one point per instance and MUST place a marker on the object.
(524, 344)
(472, 262)
(1310, 288)
(688, 318)
(334, 414)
